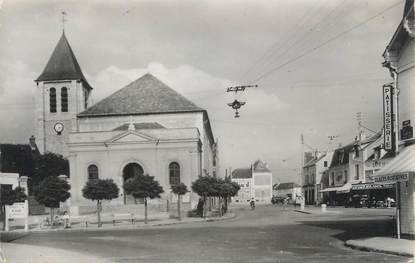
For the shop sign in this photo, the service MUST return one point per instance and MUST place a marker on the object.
(407, 131)
(391, 178)
(387, 117)
(371, 186)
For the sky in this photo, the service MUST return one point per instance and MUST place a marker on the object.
(316, 63)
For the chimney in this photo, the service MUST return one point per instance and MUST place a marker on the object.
(32, 143)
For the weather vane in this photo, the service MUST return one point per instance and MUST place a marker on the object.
(63, 20)
(236, 105)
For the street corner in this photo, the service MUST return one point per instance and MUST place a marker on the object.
(393, 246)
(12, 253)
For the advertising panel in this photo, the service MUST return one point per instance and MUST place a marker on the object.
(387, 117)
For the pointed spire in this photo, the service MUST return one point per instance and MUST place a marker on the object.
(62, 64)
(63, 21)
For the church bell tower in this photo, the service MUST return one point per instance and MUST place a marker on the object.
(62, 93)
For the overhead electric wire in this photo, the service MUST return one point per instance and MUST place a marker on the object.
(301, 39)
(324, 43)
(283, 41)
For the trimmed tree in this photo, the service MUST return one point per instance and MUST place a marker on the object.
(143, 186)
(179, 190)
(51, 191)
(98, 190)
(48, 164)
(228, 189)
(9, 197)
(204, 186)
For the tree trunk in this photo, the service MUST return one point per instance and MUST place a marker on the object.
(204, 207)
(51, 215)
(179, 197)
(145, 210)
(99, 213)
(3, 215)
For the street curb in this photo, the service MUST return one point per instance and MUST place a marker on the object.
(371, 249)
(125, 227)
(304, 212)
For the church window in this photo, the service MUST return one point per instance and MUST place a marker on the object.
(64, 99)
(92, 172)
(174, 173)
(52, 100)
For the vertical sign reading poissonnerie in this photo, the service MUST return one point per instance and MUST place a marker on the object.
(387, 117)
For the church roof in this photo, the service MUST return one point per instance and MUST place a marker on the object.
(62, 64)
(146, 95)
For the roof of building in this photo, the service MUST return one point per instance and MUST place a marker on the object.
(17, 158)
(401, 35)
(315, 160)
(341, 155)
(260, 166)
(62, 64)
(140, 126)
(242, 173)
(284, 186)
(146, 95)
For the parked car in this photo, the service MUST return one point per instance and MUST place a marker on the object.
(277, 199)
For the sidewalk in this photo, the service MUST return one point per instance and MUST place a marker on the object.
(18, 253)
(402, 247)
(119, 225)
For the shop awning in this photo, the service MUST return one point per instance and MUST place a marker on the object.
(340, 189)
(399, 168)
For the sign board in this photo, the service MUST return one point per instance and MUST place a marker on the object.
(407, 131)
(391, 178)
(17, 210)
(387, 117)
(371, 186)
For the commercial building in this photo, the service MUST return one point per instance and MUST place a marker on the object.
(400, 60)
(351, 171)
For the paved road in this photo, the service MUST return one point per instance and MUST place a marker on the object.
(267, 234)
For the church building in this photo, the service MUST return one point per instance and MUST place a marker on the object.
(143, 128)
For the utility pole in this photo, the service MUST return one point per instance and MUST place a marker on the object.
(359, 123)
(302, 159)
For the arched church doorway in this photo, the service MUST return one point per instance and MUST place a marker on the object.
(129, 171)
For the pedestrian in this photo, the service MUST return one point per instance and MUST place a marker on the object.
(200, 207)
(65, 218)
(223, 209)
(252, 204)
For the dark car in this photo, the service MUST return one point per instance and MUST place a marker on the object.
(277, 199)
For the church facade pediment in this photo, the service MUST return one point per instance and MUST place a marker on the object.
(131, 136)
